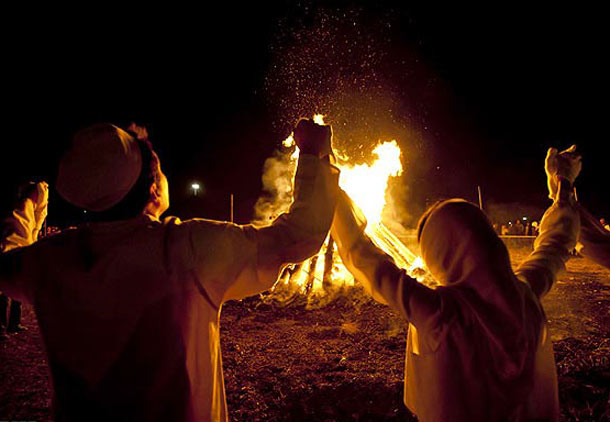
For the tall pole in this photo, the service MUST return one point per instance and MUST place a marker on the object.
(480, 198)
(231, 208)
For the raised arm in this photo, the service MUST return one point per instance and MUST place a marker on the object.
(376, 270)
(559, 227)
(21, 229)
(239, 261)
(298, 234)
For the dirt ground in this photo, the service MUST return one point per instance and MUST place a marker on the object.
(344, 361)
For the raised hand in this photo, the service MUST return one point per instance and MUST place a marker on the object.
(140, 132)
(561, 165)
(312, 138)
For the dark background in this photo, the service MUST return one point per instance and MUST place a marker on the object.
(489, 90)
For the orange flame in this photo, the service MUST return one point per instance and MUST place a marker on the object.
(367, 185)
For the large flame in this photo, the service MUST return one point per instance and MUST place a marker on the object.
(367, 185)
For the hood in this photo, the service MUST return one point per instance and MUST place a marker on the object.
(470, 261)
(458, 241)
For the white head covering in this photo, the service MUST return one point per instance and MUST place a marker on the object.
(100, 168)
(461, 250)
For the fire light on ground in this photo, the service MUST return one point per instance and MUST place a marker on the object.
(367, 185)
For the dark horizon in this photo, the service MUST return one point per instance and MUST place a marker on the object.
(483, 92)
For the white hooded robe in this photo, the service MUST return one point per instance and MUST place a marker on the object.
(477, 348)
(129, 310)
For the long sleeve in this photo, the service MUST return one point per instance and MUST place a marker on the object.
(20, 229)
(594, 240)
(559, 230)
(236, 261)
(376, 270)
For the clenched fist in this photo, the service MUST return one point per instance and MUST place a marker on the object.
(139, 132)
(566, 164)
(312, 138)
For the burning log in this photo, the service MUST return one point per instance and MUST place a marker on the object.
(294, 272)
(328, 265)
(311, 274)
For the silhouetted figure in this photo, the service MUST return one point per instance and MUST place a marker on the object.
(518, 228)
(31, 207)
(594, 239)
(129, 305)
(477, 346)
(534, 228)
(505, 230)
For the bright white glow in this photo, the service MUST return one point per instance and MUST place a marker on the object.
(319, 119)
(367, 184)
(195, 186)
(288, 142)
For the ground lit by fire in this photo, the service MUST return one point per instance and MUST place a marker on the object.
(345, 361)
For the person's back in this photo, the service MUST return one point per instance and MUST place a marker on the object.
(124, 323)
(477, 347)
(129, 309)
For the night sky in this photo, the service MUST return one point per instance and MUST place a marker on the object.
(474, 95)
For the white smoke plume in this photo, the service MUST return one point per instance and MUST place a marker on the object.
(278, 173)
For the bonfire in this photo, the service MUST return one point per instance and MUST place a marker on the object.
(367, 185)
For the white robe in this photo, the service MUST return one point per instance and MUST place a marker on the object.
(477, 348)
(129, 310)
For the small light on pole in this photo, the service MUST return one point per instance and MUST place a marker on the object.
(195, 186)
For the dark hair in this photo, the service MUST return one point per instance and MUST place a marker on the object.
(136, 199)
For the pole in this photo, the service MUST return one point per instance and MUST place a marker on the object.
(480, 198)
(231, 208)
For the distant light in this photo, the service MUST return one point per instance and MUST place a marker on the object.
(195, 186)
(524, 218)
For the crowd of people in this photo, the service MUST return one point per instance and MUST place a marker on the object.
(128, 304)
(517, 228)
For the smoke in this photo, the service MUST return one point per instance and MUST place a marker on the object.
(278, 174)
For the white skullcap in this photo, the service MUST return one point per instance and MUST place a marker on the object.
(100, 168)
